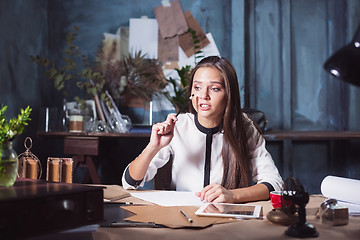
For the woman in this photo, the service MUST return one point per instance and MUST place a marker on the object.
(214, 147)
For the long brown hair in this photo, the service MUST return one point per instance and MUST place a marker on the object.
(235, 150)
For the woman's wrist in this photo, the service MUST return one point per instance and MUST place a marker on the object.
(256, 192)
(237, 195)
(152, 149)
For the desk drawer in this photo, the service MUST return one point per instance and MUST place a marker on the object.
(79, 146)
(41, 207)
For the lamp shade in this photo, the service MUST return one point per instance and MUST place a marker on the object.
(345, 63)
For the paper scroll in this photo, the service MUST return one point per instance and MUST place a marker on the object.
(343, 189)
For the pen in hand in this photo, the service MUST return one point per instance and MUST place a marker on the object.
(185, 105)
(187, 217)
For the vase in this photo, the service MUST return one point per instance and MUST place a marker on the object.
(8, 164)
(138, 109)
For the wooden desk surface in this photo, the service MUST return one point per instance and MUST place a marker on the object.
(243, 229)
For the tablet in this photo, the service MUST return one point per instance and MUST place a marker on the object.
(229, 210)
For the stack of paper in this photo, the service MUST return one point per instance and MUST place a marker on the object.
(170, 198)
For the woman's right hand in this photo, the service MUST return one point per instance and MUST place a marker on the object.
(163, 132)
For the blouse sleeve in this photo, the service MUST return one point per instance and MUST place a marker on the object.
(160, 159)
(262, 165)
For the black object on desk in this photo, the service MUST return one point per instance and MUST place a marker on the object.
(295, 193)
(34, 207)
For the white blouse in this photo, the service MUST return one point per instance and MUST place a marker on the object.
(188, 148)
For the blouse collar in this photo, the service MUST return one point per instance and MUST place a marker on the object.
(204, 129)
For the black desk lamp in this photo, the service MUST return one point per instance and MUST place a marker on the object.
(295, 193)
(345, 63)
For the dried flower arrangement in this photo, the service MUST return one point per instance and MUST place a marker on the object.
(133, 76)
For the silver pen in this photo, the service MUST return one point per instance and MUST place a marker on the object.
(187, 217)
(185, 105)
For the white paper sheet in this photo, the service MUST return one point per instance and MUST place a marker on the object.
(345, 190)
(143, 35)
(170, 198)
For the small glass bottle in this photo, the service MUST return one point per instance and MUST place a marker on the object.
(64, 118)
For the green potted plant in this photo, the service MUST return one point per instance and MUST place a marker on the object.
(9, 130)
(180, 89)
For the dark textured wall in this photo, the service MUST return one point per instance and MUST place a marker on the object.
(287, 43)
(277, 46)
(24, 31)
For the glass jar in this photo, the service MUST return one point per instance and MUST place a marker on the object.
(76, 123)
(8, 164)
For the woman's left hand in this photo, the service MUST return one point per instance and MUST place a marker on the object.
(216, 193)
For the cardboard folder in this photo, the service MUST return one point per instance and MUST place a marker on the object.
(171, 216)
(171, 20)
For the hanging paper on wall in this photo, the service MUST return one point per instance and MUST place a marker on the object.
(186, 41)
(210, 50)
(168, 53)
(171, 19)
(143, 36)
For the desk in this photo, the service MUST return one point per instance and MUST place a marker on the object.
(243, 229)
(84, 147)
(33, 207)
